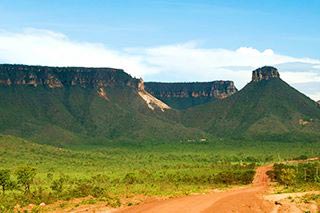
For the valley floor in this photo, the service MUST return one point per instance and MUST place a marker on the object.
(256, 197)
(247, 199)
(154, 177)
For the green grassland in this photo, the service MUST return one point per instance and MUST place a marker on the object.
(115, 170)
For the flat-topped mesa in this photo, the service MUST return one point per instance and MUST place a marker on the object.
(214, 89)
(58, 77)
(99, 79)
(265, 73)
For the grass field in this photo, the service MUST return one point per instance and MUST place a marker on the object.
(116, 170)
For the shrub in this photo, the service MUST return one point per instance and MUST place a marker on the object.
(130, 178)
(287, 176)
(25, 176)
(4, 179)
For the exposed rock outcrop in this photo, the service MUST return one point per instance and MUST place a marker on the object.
(265, 73)
(184, 95)
(58, 77)
(216, 89)
(151, 101)
(61, 77)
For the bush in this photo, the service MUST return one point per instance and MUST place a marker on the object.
(4, 179)
(301, 157)
(131, 178)
(293, 174)
(287, 176)
(57, 185)
(25, 176)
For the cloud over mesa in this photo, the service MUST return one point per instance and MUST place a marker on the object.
(177, 62)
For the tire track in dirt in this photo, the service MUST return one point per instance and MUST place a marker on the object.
(247, 199)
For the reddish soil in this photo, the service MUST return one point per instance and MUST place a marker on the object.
(248, 199)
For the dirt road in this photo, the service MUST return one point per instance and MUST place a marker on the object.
(248, 199)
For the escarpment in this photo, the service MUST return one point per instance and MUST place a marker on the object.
(60, 105)
(100, 79)
(185, 95)
(59, 77)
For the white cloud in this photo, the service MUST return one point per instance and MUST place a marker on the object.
(315, 96)
(301, 77)
(42, 47)
(177, 62)
(190, 62)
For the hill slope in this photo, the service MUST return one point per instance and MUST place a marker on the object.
(267, 108)
(67, 105)
(57, 105)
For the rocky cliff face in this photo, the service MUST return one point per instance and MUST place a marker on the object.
(184, 95)
(59, 77)
(216, 89)
(99, 79)
(265, 73)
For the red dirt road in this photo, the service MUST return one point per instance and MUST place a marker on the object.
(243, 200)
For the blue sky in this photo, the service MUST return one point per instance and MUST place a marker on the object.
(287, 26)
(190, 40)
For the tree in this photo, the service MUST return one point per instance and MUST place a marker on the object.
(25, 176)
(287, 176)
(4, 179)
(57, 185)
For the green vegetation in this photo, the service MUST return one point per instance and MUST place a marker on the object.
(299, 176)
(25, 176)
(78, 115)
(4, 179)
(267, 110)
(72, 112)
(62, 139)
(116, 170)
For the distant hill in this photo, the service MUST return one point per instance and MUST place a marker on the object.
(185, 95)
(266, 108)
(60, 105)
(76, 105)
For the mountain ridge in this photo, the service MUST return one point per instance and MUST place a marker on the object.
(108, 105)
(61, 105)
(60, 77)
(57, 77)
(266, 108)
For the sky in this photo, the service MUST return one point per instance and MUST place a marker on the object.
(162, 40)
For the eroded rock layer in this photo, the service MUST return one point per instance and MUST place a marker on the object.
(265, 73)
(58, 77)
(185, 95)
